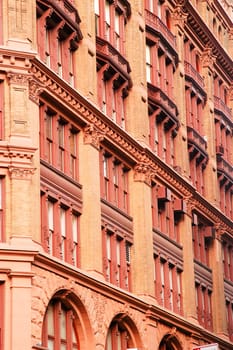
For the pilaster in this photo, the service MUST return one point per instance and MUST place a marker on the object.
(90, 221)
(188, 277)
(137, 122)
(208, 125)
(85, 56)
(140, 205)
(181, 158)
(218, 295)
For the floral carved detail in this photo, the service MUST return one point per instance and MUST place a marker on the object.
(92, 136)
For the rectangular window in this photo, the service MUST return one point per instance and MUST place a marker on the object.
(49, 136)
(50, 226)
(73, 153)
(63, 232)
(75, 239)
(1, 208)
(61, 145)
(107, 20)
(148, 63)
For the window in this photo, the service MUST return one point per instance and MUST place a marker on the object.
(116, 259)
(58, 141)
(168, 284)
(114, 180)
(204, 309)
(227, 248)
(167, 211)
(118, 337)
(1, 105)
(202, 238)
(2, 303)
(58, 38)
(110, 23)
(59, 332)
(60, 227)
(229, 312)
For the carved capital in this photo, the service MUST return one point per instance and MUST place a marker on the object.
(208, 59)
(219, 231)
(21, 173)
(143, 173)
(190, 205)
(179, 17)
(92, 136)
(18, 78)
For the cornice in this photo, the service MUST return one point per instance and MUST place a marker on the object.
(99, 127)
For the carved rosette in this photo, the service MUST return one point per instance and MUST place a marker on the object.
(143, 173)
(92, 136)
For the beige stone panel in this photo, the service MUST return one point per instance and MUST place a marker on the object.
(142, 254)
(137, 121)
(86, 78)
(90, 221)
(19, 25)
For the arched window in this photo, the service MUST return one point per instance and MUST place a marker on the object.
(122, 334)
(59, 332)
(170, 342)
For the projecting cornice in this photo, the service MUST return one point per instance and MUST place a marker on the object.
(98, 127)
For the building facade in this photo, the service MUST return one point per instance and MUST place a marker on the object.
(116, 174)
